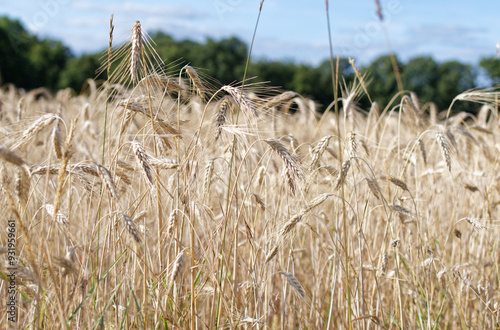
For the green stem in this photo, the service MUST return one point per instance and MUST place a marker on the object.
(221, 274)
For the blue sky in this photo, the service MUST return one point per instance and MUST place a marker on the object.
(288, 30)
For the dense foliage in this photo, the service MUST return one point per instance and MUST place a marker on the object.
(29, 62)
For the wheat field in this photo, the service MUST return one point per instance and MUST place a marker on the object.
(160, 200)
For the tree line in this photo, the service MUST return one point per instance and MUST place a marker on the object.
(30, 62)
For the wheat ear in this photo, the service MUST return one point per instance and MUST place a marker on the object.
(131, 227)
(23, 183)
(445, 149)
(343, 173)
(177, 266)
(10, 156)
(143, 160)
(67, 154)
(60, 218)
(172, 220)
(108, 180)
(195, 79)
(135, 57)
(58, 143)
(245, 103)
(289, 161)
(294, 282)
(37, 126)
(220, 119)
(279, 99)
(397, 182)
(318, 150)
(207, 177)
(374, 188)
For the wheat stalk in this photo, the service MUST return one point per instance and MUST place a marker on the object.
(287, 158)
(445, 149)
(260, 176)
(316, 202)
(176, 268)
(353, 146)
(245, 103)
(60, 218)
(131, 227)
(279, 99)
(143, 160)
(400, 209)
(422, 150)
(172, 220)
(135, 57)
(163, 163)
(23, 184)
(294, 143)
(220, 119)
(58, 142)
(162, 81)
(41, 170)
(67, 154)
(318, 150)
(259, 201)
(294, 282)
(400, 183)
(271, 254)
(374, 188)
(343, 173)
(290, 224)
(10, 156)
(36, 127)
(86, 168)
(207, 177)
(107, 178)
(195, 79)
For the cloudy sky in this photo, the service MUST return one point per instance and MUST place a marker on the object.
(288, 30)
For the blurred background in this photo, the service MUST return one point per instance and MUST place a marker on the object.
(442, 47)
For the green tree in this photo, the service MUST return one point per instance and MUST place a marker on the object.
(453, 79)
(276, 73)
(420, 75)
(492, 67)
(172, 51)
(224, 59)
(78, 70)
(27, 61)
(15, 43)
(48, 58)
(383, 85)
